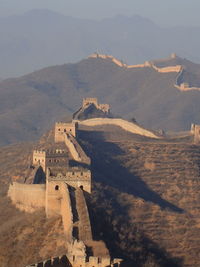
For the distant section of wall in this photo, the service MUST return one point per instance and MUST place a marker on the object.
(113, 59)
(168, 69)
(185, 87)
(128, 126)
(27, 197)
(146, 64)
(152, 64)
(88, 101)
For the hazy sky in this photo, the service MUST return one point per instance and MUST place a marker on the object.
(168, 12)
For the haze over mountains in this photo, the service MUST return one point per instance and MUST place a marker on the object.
(31, 104)
(41, 38)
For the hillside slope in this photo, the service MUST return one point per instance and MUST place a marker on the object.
(30, 104)
(144, 202)
(149, 189)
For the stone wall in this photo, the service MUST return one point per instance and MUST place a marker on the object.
(71, 143)
(76, 150)
(66, 211)
(128, 126)
(168, 69)
(185, 87)
(113, 59)
(146, 64)
(84, 226)
(77, 261)
(27, 197)
(53, 197)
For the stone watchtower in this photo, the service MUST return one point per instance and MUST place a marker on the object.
(63, 128)
(195, 130)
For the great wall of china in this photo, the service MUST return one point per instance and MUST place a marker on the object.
(151, 64)
(63, 192)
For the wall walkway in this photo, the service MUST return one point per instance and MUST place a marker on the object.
(126, 125)
(84, 226)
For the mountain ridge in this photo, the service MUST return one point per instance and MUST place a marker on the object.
(41, 38)
(29, 105)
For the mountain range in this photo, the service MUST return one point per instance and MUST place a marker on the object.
(29, 105)
(41, 38)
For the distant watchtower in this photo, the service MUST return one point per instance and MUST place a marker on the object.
(195, 129)
(62, 128)
(90, 100)
(173, 55)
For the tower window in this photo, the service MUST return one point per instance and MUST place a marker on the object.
(56, 187)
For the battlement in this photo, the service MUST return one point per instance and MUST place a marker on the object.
(94, 101)
(89, 100)
(39, 152)
(39, 158)
(74, 177)
(57, 152)
(77, 261)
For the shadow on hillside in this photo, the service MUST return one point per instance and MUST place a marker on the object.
(107, 169)
(111, 223)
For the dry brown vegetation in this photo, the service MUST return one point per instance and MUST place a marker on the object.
(146, 199)
(144, 205)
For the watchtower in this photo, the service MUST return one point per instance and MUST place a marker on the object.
(88, 101)
(39, 158)
(195, 129)
(63, 128)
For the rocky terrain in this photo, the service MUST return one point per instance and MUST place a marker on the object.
(144, 202)
(155, 186)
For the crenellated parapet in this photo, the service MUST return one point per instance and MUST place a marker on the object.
(88, 101)
(76, 258)
(75, 177)
(150, 64)
(39, 158)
